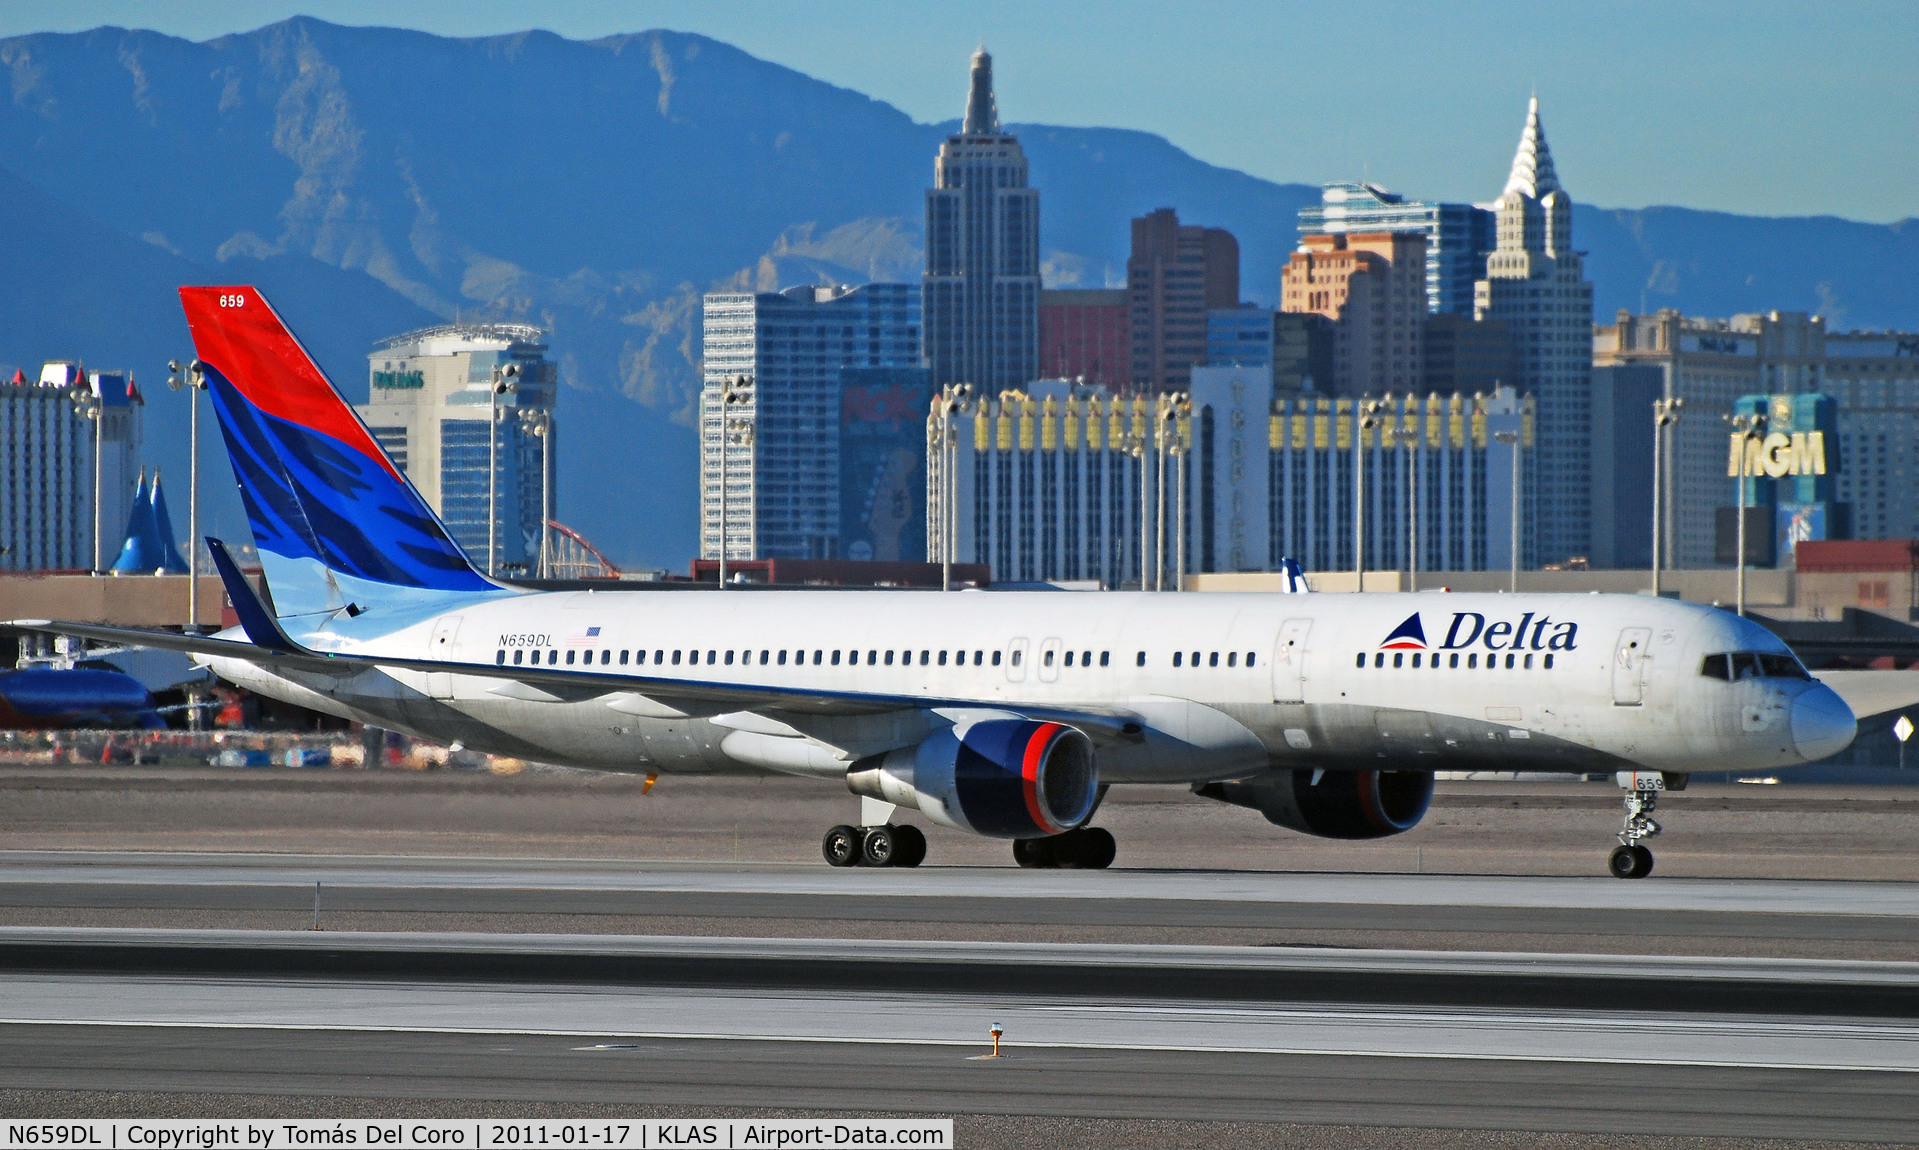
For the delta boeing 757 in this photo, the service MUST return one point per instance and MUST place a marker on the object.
(1005, 714)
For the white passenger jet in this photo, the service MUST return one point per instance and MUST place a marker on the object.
(1005, 714)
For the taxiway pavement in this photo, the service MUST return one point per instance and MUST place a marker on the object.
(1214, 1055)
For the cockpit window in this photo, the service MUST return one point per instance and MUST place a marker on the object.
(1752, 665)
(1782, 667)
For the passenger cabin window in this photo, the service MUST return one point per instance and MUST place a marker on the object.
(499, 657)
(516, 657)
(1177, 656)
(1105, 658)
(996, 656)
(1016, 657)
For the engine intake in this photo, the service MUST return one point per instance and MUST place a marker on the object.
(1336, 804)
(1007, 778)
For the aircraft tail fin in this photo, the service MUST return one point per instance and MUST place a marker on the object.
(1294, 578)
(334, 520)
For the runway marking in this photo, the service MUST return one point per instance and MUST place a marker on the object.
(1427, 1056)
(1789, 896)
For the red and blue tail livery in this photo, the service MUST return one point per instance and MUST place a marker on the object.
(316, 485)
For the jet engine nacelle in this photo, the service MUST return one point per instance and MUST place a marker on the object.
(1007, 778)
(1333, 804)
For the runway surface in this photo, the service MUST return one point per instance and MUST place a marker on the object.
(1226, 983)
(1604, 1070)
(1732, 917)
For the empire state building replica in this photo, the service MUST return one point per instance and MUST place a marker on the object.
(981, 317)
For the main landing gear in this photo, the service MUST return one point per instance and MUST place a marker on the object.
(1088, 848)
(1630, 859)
(888, 845)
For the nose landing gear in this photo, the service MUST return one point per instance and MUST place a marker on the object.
(1630, 859)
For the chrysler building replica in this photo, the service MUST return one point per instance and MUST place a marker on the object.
(1535, 284)
(981, 301)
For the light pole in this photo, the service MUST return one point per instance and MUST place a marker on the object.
(1169, 445)
(1182, 426)
(1397, 436)
(194, 377)
(1745, 428)
(952, 402)
(1665, 413)
(1365, 418)
(505, 382)
(87, 405)
(539, 423)
(1136, 447)
(1512, 438)
(735, 392)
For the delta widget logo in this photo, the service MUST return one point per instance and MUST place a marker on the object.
(1408, 636)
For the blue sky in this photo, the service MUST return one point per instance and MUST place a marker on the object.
(1763, 107)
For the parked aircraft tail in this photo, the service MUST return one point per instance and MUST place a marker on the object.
(336, 523)
(1295, 577)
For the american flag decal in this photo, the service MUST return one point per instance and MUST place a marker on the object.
(584, 638)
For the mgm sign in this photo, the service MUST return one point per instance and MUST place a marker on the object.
(1789, 464)
(1777, 455)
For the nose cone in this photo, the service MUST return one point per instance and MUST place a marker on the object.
(1822, 724)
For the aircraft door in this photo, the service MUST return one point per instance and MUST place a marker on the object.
(440, 686)
(1289, 661)
(1629, 665)
(1049, 661)
(1016, 661)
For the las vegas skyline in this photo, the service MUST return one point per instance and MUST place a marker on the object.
(1766, 109)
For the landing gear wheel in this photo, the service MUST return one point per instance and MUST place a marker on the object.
(1630, 862)
(1098, 848)
(909, 846)
(1034, 853)
(841, 846)
(878, 847)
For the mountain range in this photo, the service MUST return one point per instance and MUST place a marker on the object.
(372, 180)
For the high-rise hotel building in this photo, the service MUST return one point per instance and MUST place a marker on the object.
(824, 453)
(1371, 286)
(430, 403)
(1535, 282)
(982, 279)
(1177, 274)
(1458, 236)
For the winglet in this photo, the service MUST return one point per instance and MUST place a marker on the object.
(262, 629)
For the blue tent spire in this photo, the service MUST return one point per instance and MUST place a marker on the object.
(135, 557)
(170, 559)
